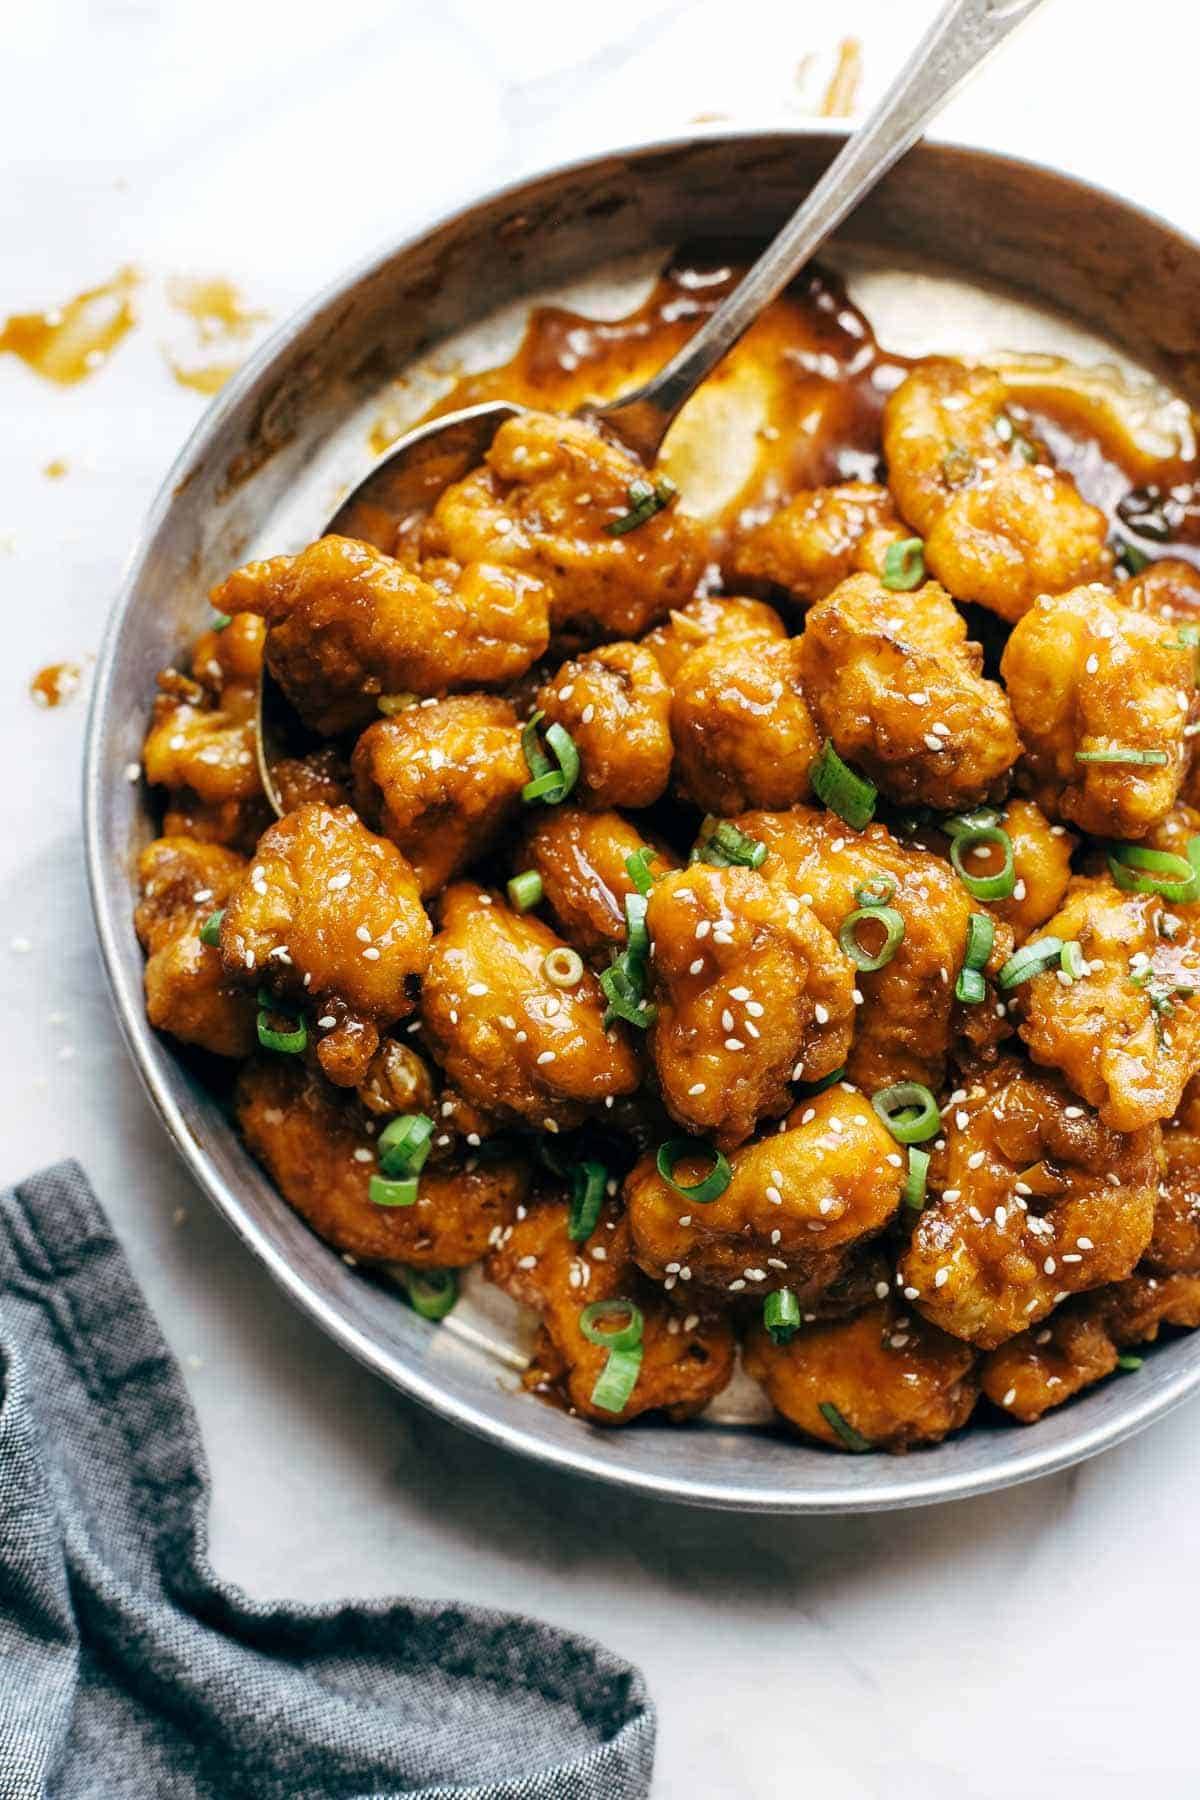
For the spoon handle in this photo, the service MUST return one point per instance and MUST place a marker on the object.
(958, 40)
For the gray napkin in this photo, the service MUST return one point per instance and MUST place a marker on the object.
(128, 1670)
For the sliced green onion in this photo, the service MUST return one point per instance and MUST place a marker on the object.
(713, 1184)
(563, 967)
(548, 783)
(978, 819)
(210, 931)
(876, 892)
(220, 621)
(904, 565)
(287, 1043)
(391, 704)
(781, 1316)
(1188, 637)
(970, 989)
(851, 796)
(587, 1197)
(1071, 961)
(1118, 753)
(1140, 871)
(1130, 1363)
(637, 867)
(853, 1440)
(645, 499)
(433, 1292)
(402, 1191)
(915, 1180)
(625, 992)
(1000, 884)
(723, 844)
(893, 936)
(525, 891)
(1029, 960)
(617, 1380)
(810, 1089)
(981, 936)
(625, 1336)
(1135, 560)
(404, 1144)
(637, 938)
(909, 1111)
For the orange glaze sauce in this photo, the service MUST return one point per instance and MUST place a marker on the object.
(221, 319)
(69, 343)
(841, 96)
(55, 683)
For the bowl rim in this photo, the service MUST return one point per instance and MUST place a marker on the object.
(587, 1456)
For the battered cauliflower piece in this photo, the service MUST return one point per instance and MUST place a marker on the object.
(1041, 866)
(1087, 676)
(1034, 1199)
(442, 781)
(347, 624)
(397, 1081)
(182, 883)
(317, 1145)
(201, 740)
(893, 682)
(800, 1201)
(818, 539)
(1126, 1035)
(908, 1019)
(1175, 1246)
(709, 616)
(1168, 588)
(686, 1360)
(616, 706)
(582, 860)
(893, 1380)
(752, 994)
(999, 528)
(508, 1038)
(540, 505)
(742, 730)
(322, 775)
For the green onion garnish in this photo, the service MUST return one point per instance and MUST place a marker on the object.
(914, 1182)
(713, 1184)
(1000, 884)
(809, 1089)
(975, 820)
(637, 938)
(433, 1292)
(625, 1336)
(1030, 960)
(893, 936)
(853, 1440)
(904, 565)
(1130, 1363)
(400, 1192)
(1117, 753)
(404, 1144)
(781, 1316)
(722, 844)
(1071, 961)
(645, 499)
(549, 784)
(525, 891)
(970, 989)
(1135, 560)
(909, 1111)
(587, 1197)
(852, 797)
(637, 867)
(287, 1043)
(623, 987)
(617, 1380)
(876, 892)
(392, 704)
(563, 967)
(210, 931)
(1140, 871)
(220, 621)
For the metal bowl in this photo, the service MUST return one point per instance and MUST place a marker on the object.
(974, 250)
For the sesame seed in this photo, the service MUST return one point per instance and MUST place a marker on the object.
(774, 1196)
(477, 988)
(371, 954)
(1009, 1397)
(587, 715)
(808, 1115)
(975, 1160)
(697, 1087)
(933, 743)
(696, 967)
(1085, 1243)
(881, 1290)
(547, 1056)
(739, 993)
(894, 1157)
(910, 1293)
(735, 1287)
(732, 1043)
(527, 1262)
(821, 1013)
(1049, 1265)
(962, 1120)
(326, 1022)
(364, 1155)
(941, 1278)
(341, 880)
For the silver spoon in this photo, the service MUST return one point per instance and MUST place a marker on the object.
(428, 459)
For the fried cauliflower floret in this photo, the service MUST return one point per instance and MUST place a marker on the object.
(893, 1379)
(818, 539)
(322, 775)
(1080, 1344)
(752, 994)
(709, 616)
(616, 706)
(893, 682)
(313, 1141)
(581, 858)
(230, 653)
(686, 1361)
(1168, 588)
(908, 1019)
(1126, 1034)
(742, 729)
(182, 883)
(203, 743)
(1087, 676)
(539, 506)
(1041, 866)
(397, 1081)
(328, 910)
(798, 1203)
(998, 528)
(346, 624)
(1033, 1198)
(508, 1038)
(442, 782)
(1175, 1246)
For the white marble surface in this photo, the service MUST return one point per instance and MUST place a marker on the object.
(1039, 1641)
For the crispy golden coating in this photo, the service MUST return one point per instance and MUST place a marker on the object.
(203, 742)
(799, 1202)
(752, 994)
(508, 1038)
(1086, 675)
(230, 653)
(686, 1359)
(1168, 588)
(323, 775)
(894, 683)
(814, 542)
(1032, 1199)
(743, 733)
(181, 884)
(616, 706)
(1175, 1246)
(895, 1380)
(690, 627)
(316, 1144)
(998, 528)
(539, 507)
(327, 909)
(1126, 1034)
(908, 1019)
(581, 858)
(1041, 865)
(346, 624)
(443, 781)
